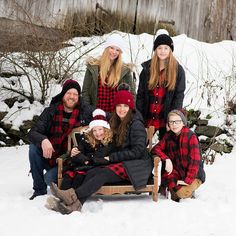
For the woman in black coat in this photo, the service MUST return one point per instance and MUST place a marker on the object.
(130, 162)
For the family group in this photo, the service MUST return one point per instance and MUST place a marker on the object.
(114, 146)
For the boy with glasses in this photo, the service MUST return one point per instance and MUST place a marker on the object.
(180, 150)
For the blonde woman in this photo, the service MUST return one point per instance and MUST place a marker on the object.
(161, 84)
(105, 74)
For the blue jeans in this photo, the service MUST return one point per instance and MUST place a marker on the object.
(37, 166)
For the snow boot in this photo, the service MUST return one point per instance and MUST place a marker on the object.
(36, 194)
(52, 203)
(187, 191)
(67, 196)
(65, 210)
(174, 196)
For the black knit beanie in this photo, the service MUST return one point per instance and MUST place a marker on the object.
(163, 39)
(66, 86)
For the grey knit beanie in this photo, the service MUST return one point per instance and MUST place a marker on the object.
(181, 114)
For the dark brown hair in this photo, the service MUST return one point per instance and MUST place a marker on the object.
(120, 127)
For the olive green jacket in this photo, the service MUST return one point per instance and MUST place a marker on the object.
(90, 84)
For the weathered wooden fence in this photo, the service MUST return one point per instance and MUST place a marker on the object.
(206, 20)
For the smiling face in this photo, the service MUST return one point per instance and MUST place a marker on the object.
(70, 99)
(114, 52)
(98, 132)
(175, 123)
(122, 110)
(163, 52)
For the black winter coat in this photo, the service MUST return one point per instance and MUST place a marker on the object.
(133, 154)
(41, 130)
(88, 154)
(173, 100)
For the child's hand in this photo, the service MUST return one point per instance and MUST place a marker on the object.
(74, 151)
(169, 166)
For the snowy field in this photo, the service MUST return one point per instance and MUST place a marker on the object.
(212, 213)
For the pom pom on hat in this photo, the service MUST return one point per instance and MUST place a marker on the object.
(115, 40)
(163, 38)
(123, 86)
(99, 119)
(161, 31)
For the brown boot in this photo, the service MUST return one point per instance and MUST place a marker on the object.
(65, 210)
(187, 191)
(67, 196)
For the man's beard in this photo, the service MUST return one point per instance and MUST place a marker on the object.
(67, 104)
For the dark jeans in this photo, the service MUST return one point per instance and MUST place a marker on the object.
(94, 180)
(37, 166)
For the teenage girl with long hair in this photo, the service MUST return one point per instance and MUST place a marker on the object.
(104, 74)
(161, 84)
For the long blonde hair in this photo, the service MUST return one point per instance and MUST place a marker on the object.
(108, 135)
(170, 72)
(107, 69)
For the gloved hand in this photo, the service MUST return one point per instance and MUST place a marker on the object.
(79, 159)
(169, 166)
(98, 161)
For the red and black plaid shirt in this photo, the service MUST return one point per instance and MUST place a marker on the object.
(156, 104)
(61, 128)
(105, 97)
(157, 96)
(118, 169)
(184, 153)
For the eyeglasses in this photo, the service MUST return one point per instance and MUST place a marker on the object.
(176, 122)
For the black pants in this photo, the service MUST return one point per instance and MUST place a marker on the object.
(94, 180)
(69, 182)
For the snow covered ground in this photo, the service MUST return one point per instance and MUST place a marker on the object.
(212, 213)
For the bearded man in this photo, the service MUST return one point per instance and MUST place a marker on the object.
(48, 137)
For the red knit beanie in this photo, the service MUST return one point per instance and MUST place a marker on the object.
(124, 97)
(70, 83)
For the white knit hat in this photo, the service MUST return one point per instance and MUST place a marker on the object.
(115, 40)
(99, 119)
